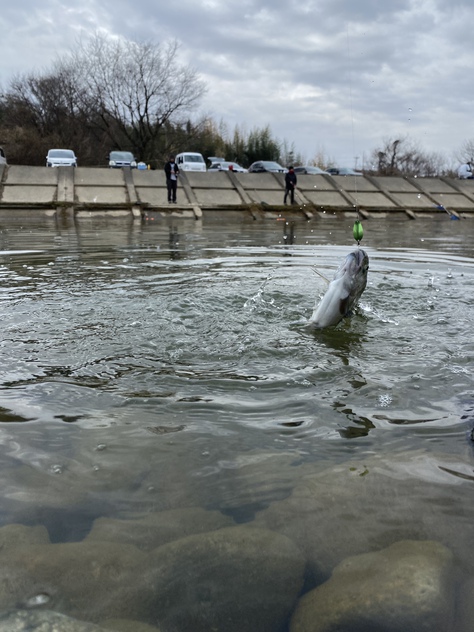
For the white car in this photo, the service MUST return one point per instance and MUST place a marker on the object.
(227, 166)
(191, 161)
(3, 160)
(61, 158)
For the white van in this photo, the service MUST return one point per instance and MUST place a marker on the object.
(190, 161)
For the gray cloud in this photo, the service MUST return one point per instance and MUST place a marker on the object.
(337, 76)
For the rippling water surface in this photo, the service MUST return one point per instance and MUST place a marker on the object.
(165, 365)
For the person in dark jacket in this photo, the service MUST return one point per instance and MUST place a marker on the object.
(290, 184)
(172, 172)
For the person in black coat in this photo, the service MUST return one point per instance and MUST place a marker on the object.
(172, 172)
(290, 184)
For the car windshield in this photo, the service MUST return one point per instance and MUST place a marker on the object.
(61, 153)
(191, 158)
(121, 155)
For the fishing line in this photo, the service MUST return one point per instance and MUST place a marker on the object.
(357, 229)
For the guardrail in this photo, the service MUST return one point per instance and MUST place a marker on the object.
(87, 189)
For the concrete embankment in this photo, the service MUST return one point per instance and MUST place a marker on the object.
(91, 189)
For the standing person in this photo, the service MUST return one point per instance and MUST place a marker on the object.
(290, 184)
(172, 172)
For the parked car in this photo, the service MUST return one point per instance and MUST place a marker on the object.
(213, 159)
(227, 166)
(343, 171)
(3, 159)
(119, 159)
(261, 166)
(312, 171)
(61, 158)
(191, 161)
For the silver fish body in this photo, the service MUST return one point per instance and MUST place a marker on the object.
(343, 292)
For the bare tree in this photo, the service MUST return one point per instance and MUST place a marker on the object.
(133, 89)
(40, 111)
(466, 152)
(403, 157)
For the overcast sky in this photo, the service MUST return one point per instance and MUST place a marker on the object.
(332, 76)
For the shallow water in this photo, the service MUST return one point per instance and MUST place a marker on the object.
(164, 365)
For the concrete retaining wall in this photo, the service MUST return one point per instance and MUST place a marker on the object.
(140, 192)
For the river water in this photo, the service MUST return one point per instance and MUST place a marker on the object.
(163, 369)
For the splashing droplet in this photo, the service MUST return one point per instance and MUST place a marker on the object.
(385, 400)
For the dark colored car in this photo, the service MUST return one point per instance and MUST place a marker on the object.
(343, 171)
(119, 159)
(213, 159)
(312, 171)
(262, 166)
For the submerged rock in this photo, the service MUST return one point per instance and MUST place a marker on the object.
(127, 625)
(15, 535)
(407, 587)
(43, 621)
(229, 580)
(465, 614)
(366, 505)
(94, 580)
(156, 529)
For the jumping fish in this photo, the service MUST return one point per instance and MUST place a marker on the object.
(343, 292)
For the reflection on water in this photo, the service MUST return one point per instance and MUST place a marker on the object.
(167, 419)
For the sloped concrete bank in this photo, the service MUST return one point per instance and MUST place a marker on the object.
(141, 192)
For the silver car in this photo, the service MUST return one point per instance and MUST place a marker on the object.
(227, 166)
(3, 160)
(311, 171)
(61, 158)
(119, 159)
(343, 171)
